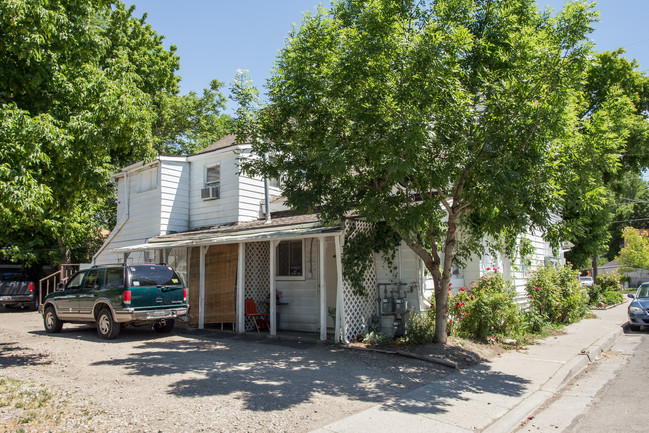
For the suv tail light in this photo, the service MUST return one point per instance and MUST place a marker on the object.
(31, 287)
(185, 295)
(127, 297)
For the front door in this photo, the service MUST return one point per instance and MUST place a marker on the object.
(92, 286)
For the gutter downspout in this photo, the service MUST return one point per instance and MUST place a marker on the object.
(267, 194)
(117, 229)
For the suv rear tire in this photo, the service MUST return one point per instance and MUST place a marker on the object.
(166, 327)
(51, 321)
(107, 329)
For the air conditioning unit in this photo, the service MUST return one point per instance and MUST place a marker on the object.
(210, 192)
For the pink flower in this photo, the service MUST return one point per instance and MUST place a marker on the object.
(467, 315)
(472, 297)
(488, 269)
(450, 284)
(462, 289)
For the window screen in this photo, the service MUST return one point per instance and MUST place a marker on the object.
(289, 259)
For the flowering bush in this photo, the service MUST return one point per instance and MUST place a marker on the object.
(607, 290)
(487, 308)
(556, 295)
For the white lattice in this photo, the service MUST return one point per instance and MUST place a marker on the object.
(359, 309)
(257, 278)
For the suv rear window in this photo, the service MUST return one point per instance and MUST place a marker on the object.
(149, 275)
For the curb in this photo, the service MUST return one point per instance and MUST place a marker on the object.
(524, 409)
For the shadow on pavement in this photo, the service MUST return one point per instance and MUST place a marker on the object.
(11, 354)
(269, 375)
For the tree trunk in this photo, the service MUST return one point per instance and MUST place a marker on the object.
(66, 254)
(594, 268)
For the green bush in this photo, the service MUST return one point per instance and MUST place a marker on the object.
(376, 338)
(613, 297)
(556, 295)
(421, 328)
(608, 290)
(485, 309)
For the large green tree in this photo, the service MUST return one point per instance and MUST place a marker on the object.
(84, 89)
(431, 116)
(590, 218)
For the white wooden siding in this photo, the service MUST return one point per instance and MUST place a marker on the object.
(174, 197)
(215, 212)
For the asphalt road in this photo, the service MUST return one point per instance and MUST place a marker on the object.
(622, 404)
(610, 395)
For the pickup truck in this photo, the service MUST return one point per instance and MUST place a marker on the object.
(115, 296)
(18, 289)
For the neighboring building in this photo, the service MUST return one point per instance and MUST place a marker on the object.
(636, 277)
(199, 214)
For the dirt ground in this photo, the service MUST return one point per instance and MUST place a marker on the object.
(192, 380)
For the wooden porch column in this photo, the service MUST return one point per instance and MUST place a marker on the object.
(241, 274)
(273, 298)
(341, 334)
(323, 289)
(201, 288)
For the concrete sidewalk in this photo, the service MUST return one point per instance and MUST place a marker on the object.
(495, 396)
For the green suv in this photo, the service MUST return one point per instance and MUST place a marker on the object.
(114, 296)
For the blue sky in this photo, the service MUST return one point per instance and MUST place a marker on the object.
(217, 37)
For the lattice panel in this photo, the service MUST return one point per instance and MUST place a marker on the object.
(359, 309)
(257, 278)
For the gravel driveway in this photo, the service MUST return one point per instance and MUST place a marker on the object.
(192, 380)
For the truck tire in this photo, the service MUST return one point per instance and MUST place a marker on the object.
(51, 321)
(107, 329)
(165, 327)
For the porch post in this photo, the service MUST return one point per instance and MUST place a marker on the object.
(341, 333)
(273, 299)
(241, 272)
(125, 257)
(323, 290)
(201, 288)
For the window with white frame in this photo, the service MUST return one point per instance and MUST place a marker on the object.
(147, 180)
(212, 185)
(290, 260)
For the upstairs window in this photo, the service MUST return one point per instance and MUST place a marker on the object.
(147, 180)
(212, 186)
(290, 259)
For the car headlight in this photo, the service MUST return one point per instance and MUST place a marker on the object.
(633, 309)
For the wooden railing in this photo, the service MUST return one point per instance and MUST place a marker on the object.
(48, 284)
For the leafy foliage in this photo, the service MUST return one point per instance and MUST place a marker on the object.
(635, 254)
(84, 88)
(556, 295)
(430, 116)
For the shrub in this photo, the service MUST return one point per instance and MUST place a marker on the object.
(556, 295)
(421, 328)
(608, 290)
(613, 297)
(485, 309)
(376, 338)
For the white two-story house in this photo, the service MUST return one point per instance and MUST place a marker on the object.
(199, 214)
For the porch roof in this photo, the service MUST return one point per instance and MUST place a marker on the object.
(294, 227)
